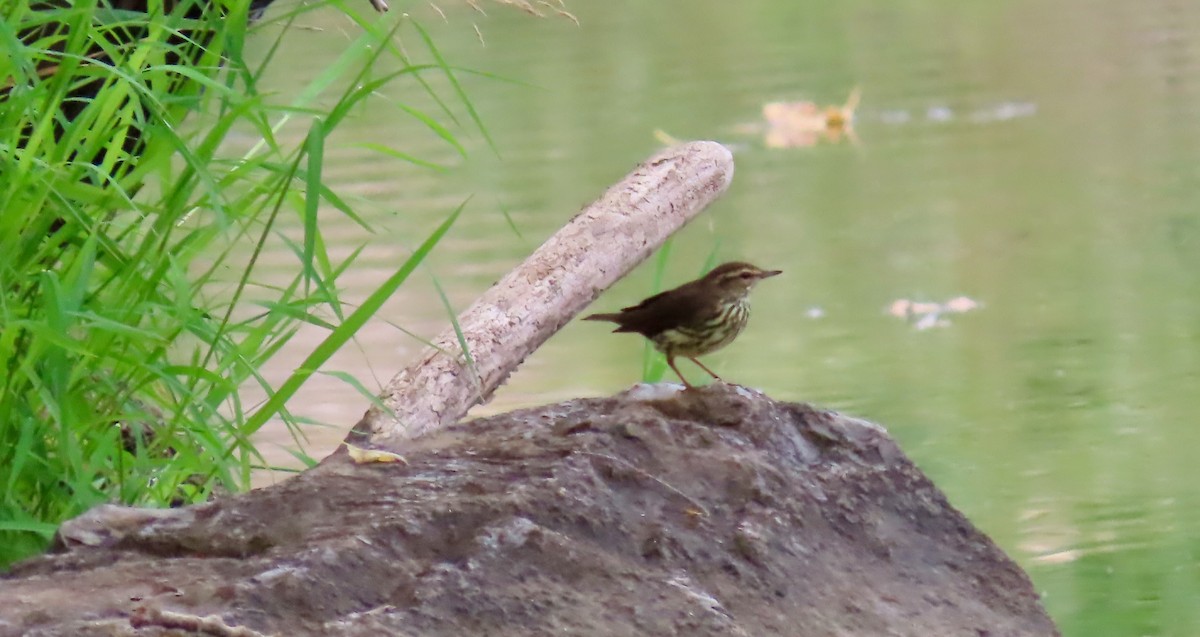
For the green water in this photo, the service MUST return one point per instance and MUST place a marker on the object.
(1041, 158)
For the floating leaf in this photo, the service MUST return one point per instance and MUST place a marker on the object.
(927, 314)
(804, 123)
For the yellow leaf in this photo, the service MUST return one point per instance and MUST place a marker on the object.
(367, 456)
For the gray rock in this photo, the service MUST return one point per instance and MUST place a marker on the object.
(708, 512)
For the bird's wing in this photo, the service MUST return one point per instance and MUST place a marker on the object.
(662, 305)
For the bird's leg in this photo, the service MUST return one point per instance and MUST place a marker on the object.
(710, 372)
(671, 362)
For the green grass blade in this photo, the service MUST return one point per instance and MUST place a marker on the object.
(347, 329)
(462, 94)
(315, 150)
(654, 364)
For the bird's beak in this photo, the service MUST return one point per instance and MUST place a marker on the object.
(769, 273)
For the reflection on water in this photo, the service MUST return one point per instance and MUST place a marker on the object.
(1041, 159)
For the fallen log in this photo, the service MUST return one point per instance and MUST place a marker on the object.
(597, 247)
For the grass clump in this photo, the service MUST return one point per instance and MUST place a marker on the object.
(124, 339)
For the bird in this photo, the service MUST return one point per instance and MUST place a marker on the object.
(696, 318)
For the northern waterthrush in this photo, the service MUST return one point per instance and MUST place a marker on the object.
(695, 318)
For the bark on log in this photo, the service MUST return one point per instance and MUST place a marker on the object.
(714, 511)
(599, 246)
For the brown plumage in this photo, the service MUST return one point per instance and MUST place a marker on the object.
(695, 318)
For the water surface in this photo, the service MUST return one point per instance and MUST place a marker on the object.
(1040, 158)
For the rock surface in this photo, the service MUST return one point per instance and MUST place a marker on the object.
(708, 512)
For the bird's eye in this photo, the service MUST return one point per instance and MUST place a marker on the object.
(747, 275)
